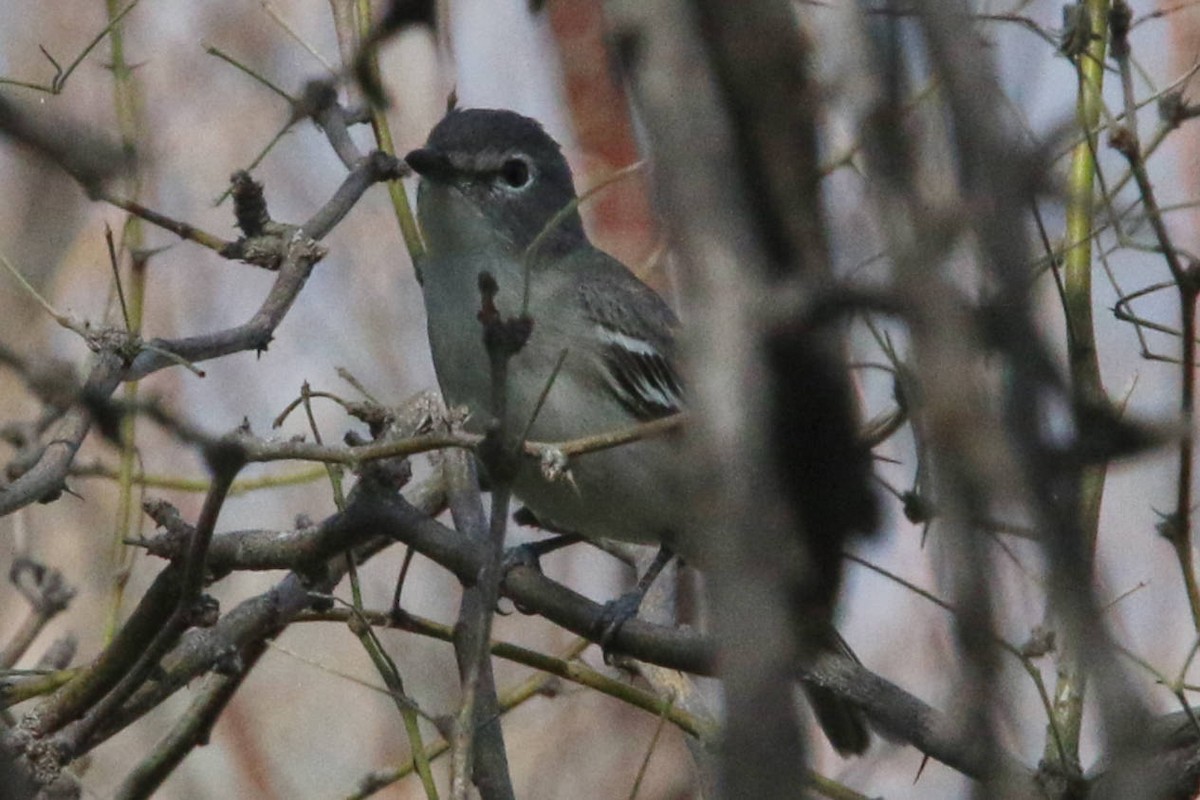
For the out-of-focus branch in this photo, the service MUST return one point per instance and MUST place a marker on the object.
(61, 74)
(961, 449)
(48, 595)
(709, 172)
(85, 155)
(190, 731)
(102, 674)
(42, 479)
(993, 171)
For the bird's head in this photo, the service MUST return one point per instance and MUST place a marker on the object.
(492, 177)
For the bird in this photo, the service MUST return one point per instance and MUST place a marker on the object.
(496, 197)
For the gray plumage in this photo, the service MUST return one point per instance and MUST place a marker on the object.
(618, 334)
(494, 183)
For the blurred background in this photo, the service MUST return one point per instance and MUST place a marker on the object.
(305, 725)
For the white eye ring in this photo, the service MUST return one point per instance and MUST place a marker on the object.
(515, 173)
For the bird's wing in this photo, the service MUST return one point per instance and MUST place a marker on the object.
(635, 332)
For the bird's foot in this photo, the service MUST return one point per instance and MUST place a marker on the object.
(613, 616)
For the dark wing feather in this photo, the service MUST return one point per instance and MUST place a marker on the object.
(636, 331)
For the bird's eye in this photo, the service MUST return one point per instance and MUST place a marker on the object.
(515, 173)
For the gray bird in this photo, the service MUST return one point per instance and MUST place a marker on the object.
(496, 196)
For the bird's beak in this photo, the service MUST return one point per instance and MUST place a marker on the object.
(429, 163)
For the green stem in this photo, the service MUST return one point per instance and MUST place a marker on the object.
(1063, 735)
(126, 101)
(383, 136)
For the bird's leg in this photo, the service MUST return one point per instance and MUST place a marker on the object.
(525, 517)
(617, 612)
(530, 554)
